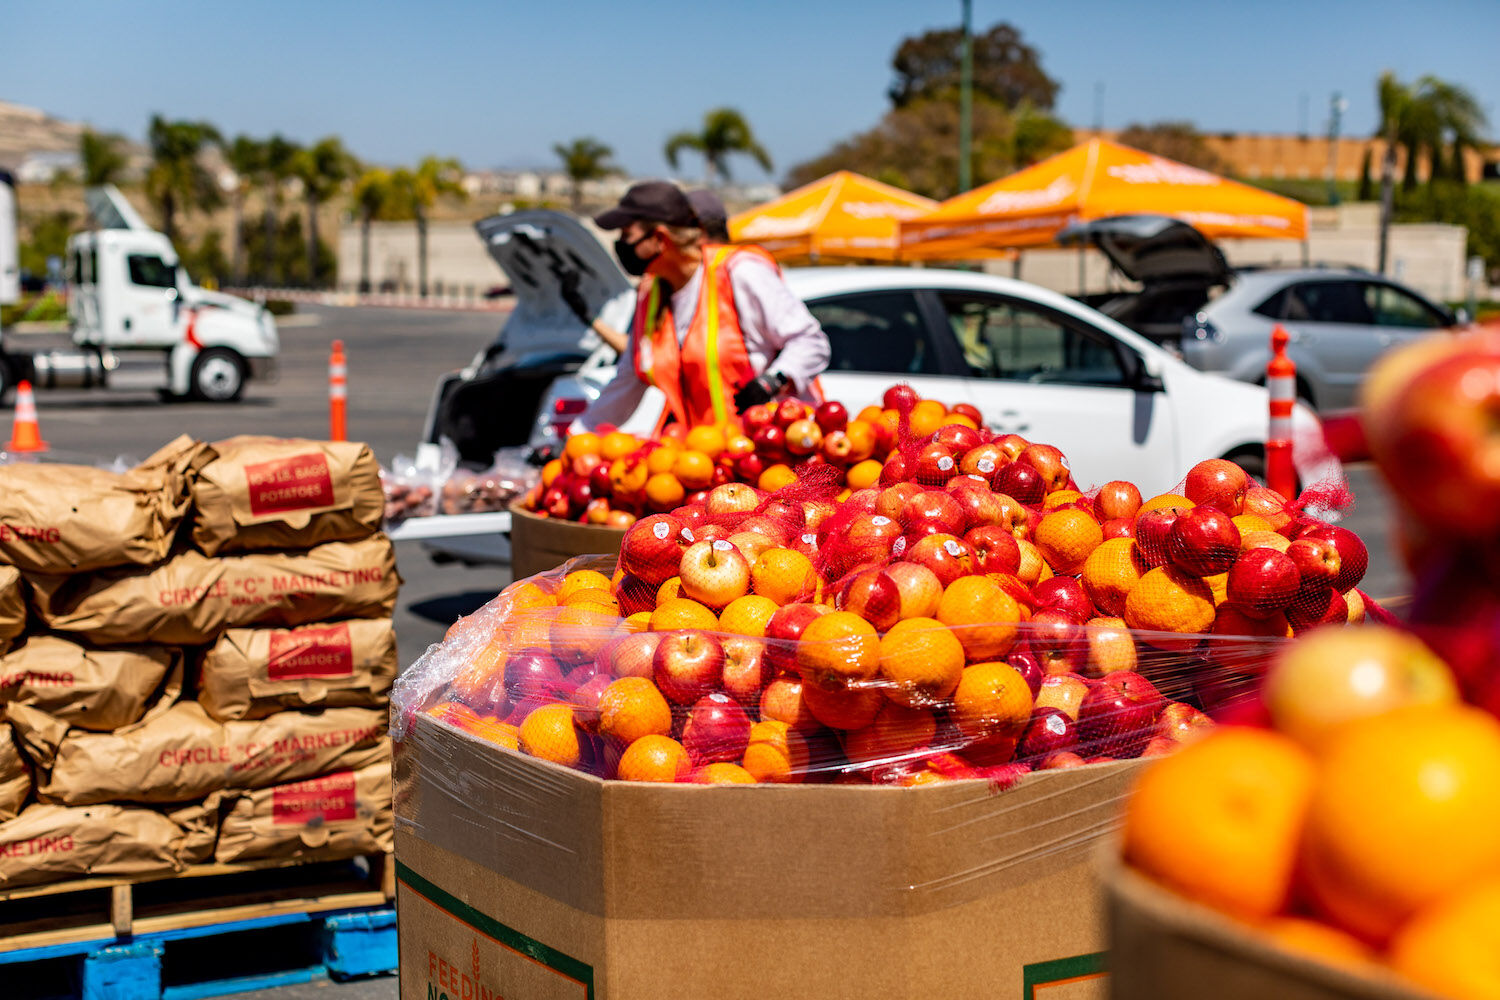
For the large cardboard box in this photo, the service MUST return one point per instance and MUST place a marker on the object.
(520, 879)
(1165, 947)
(538, 544)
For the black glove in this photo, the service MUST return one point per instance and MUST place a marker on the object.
(572, 298)
(543, 454)
(761, 389)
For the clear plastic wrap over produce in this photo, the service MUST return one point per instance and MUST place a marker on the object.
(412, 485)
(485, 491)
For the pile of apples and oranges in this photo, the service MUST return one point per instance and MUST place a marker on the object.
(969, 614)
(1358, 822)
(612, 478)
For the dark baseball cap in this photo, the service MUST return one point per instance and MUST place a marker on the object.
(652, 201)
(709, 209)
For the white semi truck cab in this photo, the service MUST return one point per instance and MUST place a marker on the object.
(130, 299)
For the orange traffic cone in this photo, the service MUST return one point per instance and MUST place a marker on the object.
(25, 433)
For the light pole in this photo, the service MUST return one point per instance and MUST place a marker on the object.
(966, 102)
(1336, 108)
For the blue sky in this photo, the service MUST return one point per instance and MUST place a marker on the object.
(497, 83)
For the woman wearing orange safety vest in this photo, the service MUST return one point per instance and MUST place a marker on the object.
(716, 328)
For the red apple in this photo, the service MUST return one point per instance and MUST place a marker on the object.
(621, 519)
(1117, 499)
(1061, 761)
(688, 665)
(1066, 594)
(986, 460)
(732, 498)
(746, 669)
(947, 556)
(1111, 647)
(831, 416)
(932, 512)
(778, 530)
(631, 655)
(1058, 641)
(1028, 667)
(868, 540)
(1022, 482)
(837, 447)
(1050, 731)
(1320, 605)
(652, 548)
(1354, 558)
(918, 587)
(1016, 517)
(1049, 463)
(981, 507)
(1012, 445)
(782, 700)
(1316, 559)
(935, 464)
(749, 468)
(1262, 582)
(755, 418)
(803, 437)
(900, 397)
(807, 544)
(1119, 714)
(532, 673)
(717, 730)
(995, 549)
(892, 500)
(1182, 722)
(896, 470)
(785, 627)
(1065, 692)
(1118, 527)
(1203, 541)
(770, 443)
(874, 596)
(1153, 532)
(967, 410)
(815, 513)
(714, 572)
(957, 438)
(1219, 483)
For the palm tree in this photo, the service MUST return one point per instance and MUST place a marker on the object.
(275, 167)
(585, 159)
(323, 169)
(372, 197)
(417, 190)
(103, 162)
(724, 131)
(177, 180)
(245, 157)
(1460, 122)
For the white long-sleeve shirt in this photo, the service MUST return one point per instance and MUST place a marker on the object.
(780, 336)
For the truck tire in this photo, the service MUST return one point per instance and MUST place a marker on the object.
(218, 376)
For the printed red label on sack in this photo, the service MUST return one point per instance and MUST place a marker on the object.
(296, 483)
(319, 651)
(326, 800)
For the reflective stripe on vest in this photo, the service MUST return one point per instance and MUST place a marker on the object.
(715, 375)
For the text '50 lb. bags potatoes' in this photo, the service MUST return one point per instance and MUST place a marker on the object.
(74, 518)
(12, 606)
(193, 598)
(277, 493)
(337, 815)
(50, 843)
(182, 754)
(251, 673)
(99, 689)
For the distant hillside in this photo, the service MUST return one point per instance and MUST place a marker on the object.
(25, 132)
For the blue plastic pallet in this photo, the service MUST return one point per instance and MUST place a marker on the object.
(344, 944)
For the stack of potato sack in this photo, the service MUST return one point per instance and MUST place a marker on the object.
(200, 653)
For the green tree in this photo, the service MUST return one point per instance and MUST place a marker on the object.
(207, 262)
(373, 198)
(1366, 185)
(1006, 69)
(724, 133)
(245, 157)
(1179, 140)
(1036, 135)
(177, 180)
(323, 168)
(584, 160)
(103, 159)
(276, 161)
(416, 191)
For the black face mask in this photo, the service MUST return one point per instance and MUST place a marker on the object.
(634, 264)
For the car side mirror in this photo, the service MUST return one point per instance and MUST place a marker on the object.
(1148, 375)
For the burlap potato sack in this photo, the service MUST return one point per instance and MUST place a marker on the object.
(12, 606)
(338, 815)
(192, 598)
(286, 493)
(252, 672)
(182, 754)
(15, 775)
(53, 843)
(98, 689)
(75, 519)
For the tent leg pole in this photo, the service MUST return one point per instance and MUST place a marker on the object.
(1082, 273)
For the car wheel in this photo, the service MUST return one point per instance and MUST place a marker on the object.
(218, 376)
(1252, 460)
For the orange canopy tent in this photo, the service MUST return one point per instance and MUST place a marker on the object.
(842, 215)
(1095, 180)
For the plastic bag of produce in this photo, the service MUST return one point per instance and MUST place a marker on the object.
(251, 673)
(336, 815)
(485, 491)
(98, 689)
(53, 843)
(286, 493)
(192, 598)
(182, 754)
(412, 485)
(74, 518)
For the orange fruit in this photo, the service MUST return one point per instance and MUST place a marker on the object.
(1247, 523)
(551, 471)
(486, 727)
(861, 434)
(723, 774)
(783, 575)
(776, 752)
(706, 440)
(776, 477)
(682, 613)
(1315, 938)
(1453, 946)
(1164, 500)
(616, 445)
(1033, 568)
(863, 475)
(665, 491)
(1052, 501)
(992, 700)
(654, 758)
(478, 676)
(548, 733)
(1405, 811)
(1109, 573)
(579, 445)
(747, 615)
(846, 708)
(1268, 505)
(1066, 538)
(1218, 820)
(662, 458)
(926, 417)
(600, 599)
(638, 622)
(581, 579)
(527, 596)
(897, 732)
(1168, 600)
(960, 420)
(580, 632)
(670, 587)
(693, 469)
(921, 660)
(837, 648)
(982, 616)
(1218, 587)
(632, 707)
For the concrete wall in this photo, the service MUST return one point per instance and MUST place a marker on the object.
(455, 257)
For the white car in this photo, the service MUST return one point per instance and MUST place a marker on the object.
(1034, 362)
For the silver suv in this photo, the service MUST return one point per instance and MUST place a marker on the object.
(1341, 319)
